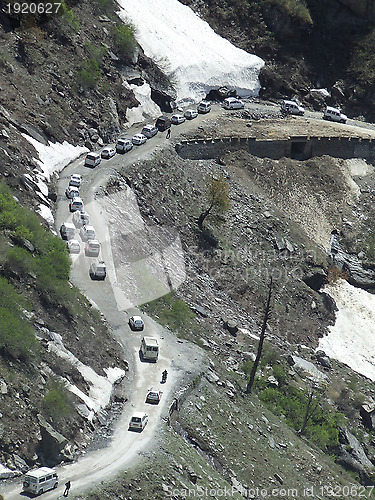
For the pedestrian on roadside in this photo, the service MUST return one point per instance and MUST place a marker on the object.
(67, 488)
(168, 136)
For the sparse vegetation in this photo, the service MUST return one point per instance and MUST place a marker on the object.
(294, 8)
(172, 312)
(56, 403)
(124, 41)
(216, 198)
(69, 17)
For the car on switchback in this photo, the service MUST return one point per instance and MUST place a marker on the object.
(108, 153)
(139, 139)
(138, 421)
(136, 323)
(177, 119)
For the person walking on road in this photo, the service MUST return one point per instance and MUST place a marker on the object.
(168, 136)
(67, 488)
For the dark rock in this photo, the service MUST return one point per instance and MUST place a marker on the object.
(231, 325)
(315, 278)
(52, 442)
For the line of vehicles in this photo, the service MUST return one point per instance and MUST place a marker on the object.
(330, 113)
(81, 223)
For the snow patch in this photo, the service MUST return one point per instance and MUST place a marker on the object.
(147, 107)
(46, 213)
(100, 387)
(55, 156)
(351, 339)
(194, 57)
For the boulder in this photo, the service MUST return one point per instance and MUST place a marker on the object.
(52, 442)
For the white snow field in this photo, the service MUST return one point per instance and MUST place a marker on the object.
(194, 57)
(351, 339)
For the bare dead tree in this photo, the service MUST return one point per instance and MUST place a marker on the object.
(266, 317)
(311, 407)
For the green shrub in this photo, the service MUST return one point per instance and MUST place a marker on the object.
(57, 403)
(294, 8)
(89, 74)
(322, 427)
(171, 311)
(17, 339)
(69, 17)
(124, 41)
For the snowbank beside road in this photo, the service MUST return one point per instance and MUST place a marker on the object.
(194, 57)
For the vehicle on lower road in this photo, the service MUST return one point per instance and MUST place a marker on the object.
(40, 480)
(98, 270)
(136, 323)
(138, 421)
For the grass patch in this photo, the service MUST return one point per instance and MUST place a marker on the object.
(172, 312)
(57, 403)
(123, 40)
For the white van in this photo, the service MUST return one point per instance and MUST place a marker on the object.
(80, 218)
(67, 231)
(40, 480)
(233, 103)
(204, 107)
(98, 270)
(124, 145)
(292, 108)
(334, 114)
(93, 159)
(150, 349)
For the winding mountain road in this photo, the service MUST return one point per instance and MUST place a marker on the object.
(113, 298)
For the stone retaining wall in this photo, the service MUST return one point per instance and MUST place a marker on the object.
(299, 147)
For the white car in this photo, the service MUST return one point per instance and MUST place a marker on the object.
(153, 396)
(233, 103)
(72, 192)
(190, 114)
(177, 119)
(74, 246)
(136, 323)
(138, 421)
(149, 131)
(75, 180)
(124, 145)
(76, 204)
(108, 153)
(92, 248)
(138, 139)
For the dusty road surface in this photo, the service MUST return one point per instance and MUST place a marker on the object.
(118, 296)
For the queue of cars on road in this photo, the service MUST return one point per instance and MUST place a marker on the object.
(80, 222)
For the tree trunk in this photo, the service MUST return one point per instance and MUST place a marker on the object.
(266, 317)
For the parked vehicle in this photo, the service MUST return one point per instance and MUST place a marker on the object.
(204, 107)
(40, 480)
(74, 246)
(153, 396)
(87, 233)
(177, 119)
(92, 248)
(98, 270)
(163, 123)
(80, 218)
(92, 159)
(292, 108)
(108, 153)
(72, 192)
(136, 323)
(190, 114)
(149, 131)
(150, 349)
(138, 421)
(138, 139)
(233, 103)
(75, 180)
(67, 231)
(76, 204)
(124, 145)
(334, 114)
